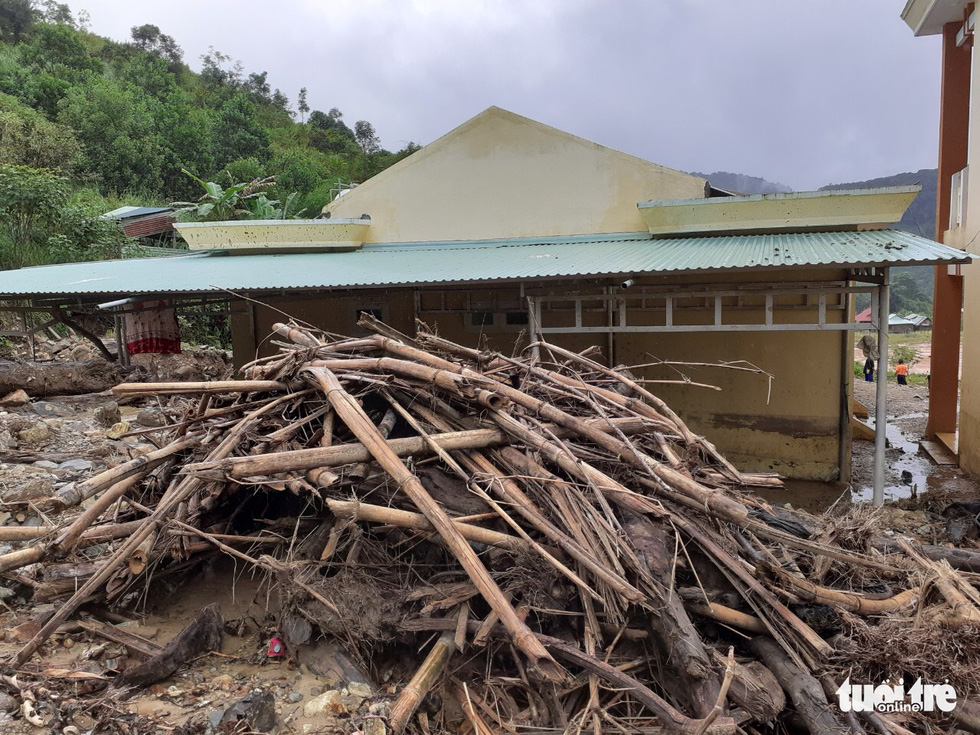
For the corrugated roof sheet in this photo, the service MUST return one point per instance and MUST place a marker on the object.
(128, 212)
(479, 261)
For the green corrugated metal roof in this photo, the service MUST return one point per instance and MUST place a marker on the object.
(407, 264)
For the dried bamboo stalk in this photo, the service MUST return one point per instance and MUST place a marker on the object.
(810, 592)
(207, 386)
(358, 422)
(428, 673)
(358, 511)
(238, 468)
(66, 541)
(87, 488)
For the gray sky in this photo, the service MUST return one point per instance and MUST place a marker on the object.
(799, 92)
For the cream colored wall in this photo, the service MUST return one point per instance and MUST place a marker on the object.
(502, 175)
(969, 237)
(792, 425)
(332, 312)
(793, 430)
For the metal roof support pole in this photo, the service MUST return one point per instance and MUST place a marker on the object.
(117, 328)
(534, 322)
(881, 395)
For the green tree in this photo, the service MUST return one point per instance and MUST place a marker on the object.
(150, 39)
(237, 133)
(57, 13)
(117, 132)
(302, 105)
(58, 49)
(29, 198)
(27, 138)
(184, 133)
(17, 17)
(366, 138)
(906, 295)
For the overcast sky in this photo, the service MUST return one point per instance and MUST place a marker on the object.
(799, 92)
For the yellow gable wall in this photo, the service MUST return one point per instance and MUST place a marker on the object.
(503, 175)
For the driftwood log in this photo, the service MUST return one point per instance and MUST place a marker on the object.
(41, 379)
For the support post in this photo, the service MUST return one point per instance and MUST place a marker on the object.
(954, 135)
(881, 395)
(534, 315)
(117, 330)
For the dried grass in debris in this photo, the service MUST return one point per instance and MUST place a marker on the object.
(508, 544)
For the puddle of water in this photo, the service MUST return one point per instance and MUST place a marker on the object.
(916, 415)
(906, 471)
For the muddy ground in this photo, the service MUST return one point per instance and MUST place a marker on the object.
(908, 408)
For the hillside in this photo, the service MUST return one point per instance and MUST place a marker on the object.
(89, 123)
(742, 184)
(920, 217)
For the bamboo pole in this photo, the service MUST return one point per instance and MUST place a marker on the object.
(70, 537)
(424, 679)
(810, 592)
(207, 386)
(406, 519)
(24, 533)
(21, 558)
(87, 488)
(237, 468)
(358, 422)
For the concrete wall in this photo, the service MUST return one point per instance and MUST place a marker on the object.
(791, 427)
(502, 175)
(968, 237)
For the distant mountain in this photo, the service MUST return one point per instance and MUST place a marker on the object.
(742, 184)
(920, 217)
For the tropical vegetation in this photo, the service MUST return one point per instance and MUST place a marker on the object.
(88, 123)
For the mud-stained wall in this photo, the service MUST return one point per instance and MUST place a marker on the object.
(336, 313)
(790, 424)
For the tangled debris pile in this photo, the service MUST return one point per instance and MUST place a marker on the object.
(515, 545)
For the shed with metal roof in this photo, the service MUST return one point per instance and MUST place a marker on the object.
(578, 244)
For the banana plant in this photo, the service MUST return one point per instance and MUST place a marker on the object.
(218, 203)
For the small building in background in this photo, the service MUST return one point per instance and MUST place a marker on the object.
(155, 223)
(920, 321)
(899, 325)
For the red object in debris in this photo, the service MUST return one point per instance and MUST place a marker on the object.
(276, 648)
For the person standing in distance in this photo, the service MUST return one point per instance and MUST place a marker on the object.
(901, 370)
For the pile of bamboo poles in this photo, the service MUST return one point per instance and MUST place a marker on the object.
(565, 553)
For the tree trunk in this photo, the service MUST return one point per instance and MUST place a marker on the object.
(60, 378)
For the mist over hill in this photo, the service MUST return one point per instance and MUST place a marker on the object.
(742, 184)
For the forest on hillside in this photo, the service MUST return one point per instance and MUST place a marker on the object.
(88, 124)
(911, 288)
